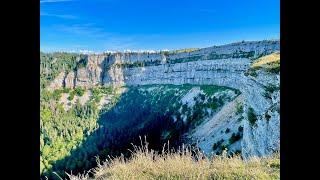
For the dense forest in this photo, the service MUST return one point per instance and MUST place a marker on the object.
(70, 140)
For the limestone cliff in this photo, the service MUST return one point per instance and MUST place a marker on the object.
(220, 65)
(262, 137)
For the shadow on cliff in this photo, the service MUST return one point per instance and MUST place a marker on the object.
(132, 116)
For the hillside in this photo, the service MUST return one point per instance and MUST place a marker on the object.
(213, 98)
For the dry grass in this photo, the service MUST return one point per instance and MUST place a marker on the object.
(268, 59)
(271, 63)
(147, 164)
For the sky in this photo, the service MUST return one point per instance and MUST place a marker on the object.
(110, 25)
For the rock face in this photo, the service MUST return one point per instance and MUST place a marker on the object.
(224, 72)
(58, 82)
(91, 75)
(223, 65)
(69, 80)
(209, 131)
(264, 136)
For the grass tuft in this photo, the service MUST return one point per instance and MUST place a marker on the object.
(184, 163)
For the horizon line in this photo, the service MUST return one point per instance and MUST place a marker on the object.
(149, 51)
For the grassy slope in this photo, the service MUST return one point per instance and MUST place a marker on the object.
(271, 64)
(148, 164)
(267, 59)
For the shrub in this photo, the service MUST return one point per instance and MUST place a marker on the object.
(57, 94)
(72, 94)
(202, 96)
(239, 108)
(235, 137)
(79, 91)
(267, 116)
(214, 146)
(219, 143)
(271, 88)
(273, 67)
(227, 130)
(107, 89)
(66, 90)
(253, 73)
(184, 108)
(275, 163)
(231, 140)
(251, 116)
(222, 147)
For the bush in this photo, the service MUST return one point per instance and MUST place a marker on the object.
(239, 108)
(219, 142)
(79, 91)
(184, 108)
(267, 116)
(66, 90)
(275, 163)
(107, 89)
(231, 140)
(235, 137)
(272, 88)
(57, 93)
(72, 94)
(227, 130)
(222, 147)
(214, 146)
(251, 116)
(240, 129)
(202, 97)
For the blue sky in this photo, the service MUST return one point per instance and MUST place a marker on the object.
(100, 25)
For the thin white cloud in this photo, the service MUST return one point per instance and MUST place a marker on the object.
(53, 1)
(64, 16)
(86, 30)
(86, 51)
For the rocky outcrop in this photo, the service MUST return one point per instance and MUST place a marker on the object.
(92, 74)
(58, 82)
(222, 65)
(69, 80)
(262, 137)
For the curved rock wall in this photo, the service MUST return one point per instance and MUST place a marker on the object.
(222, 65)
